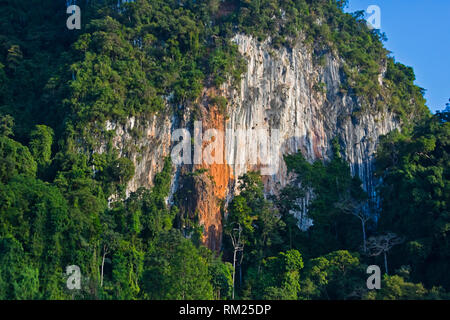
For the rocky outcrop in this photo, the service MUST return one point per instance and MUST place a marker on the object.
(284, 92)
(146, 142)
(211, 184)
(284, 89)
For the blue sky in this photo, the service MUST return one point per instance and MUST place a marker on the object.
(418, 33)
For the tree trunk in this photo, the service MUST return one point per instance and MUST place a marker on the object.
(234, 271)
(103, 264)
(364, 235)
(240, 274)
(385, 263)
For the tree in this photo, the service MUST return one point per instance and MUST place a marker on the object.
(221, 276)
(15, 159)
(36, 216)
(285, 273)
(175, 270)
(109, 242)
(333, 276)
(41, 139)
(278, 277)
(19, 278)
(6, 125)
(396, 288)
(121, 170)
(127, 269)
(253, 222)
(14, 56)
(351, 206)
(238, 246)
(382, 244)
(292, 205)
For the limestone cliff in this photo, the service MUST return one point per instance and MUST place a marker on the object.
(283, 89)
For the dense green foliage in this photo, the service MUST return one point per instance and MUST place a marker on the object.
(334, 226)
(124, 249)
(415, 167)
(414, 196)
(62, 203)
